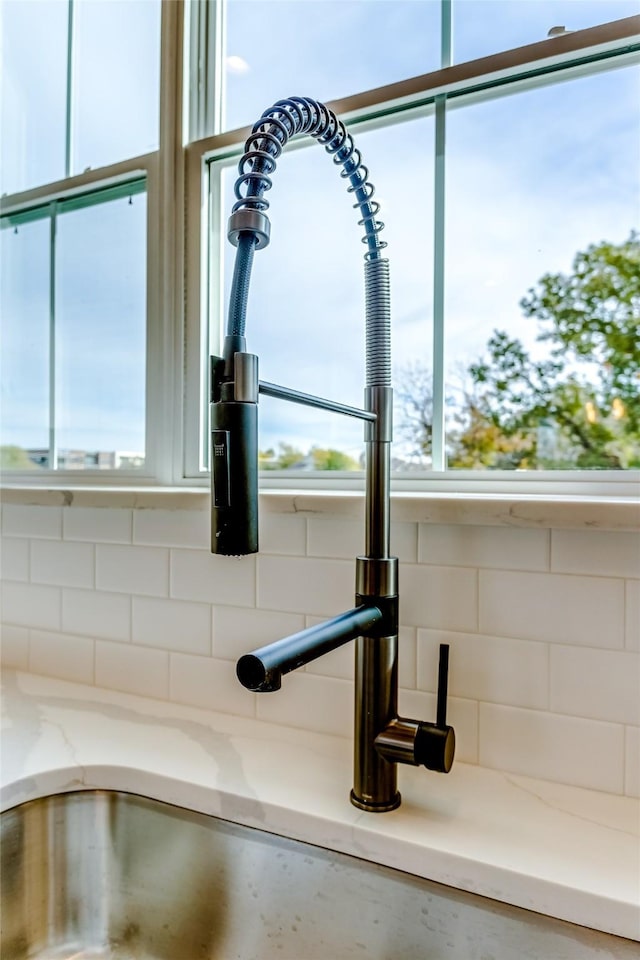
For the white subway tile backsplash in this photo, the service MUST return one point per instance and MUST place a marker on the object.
(462, 715)
(139, 670)
(62, 655)
(238, 630)
(552, 607)
(63, 563)
(544, 626)
(132, 569)
(14, 558)
(209, 683)
(601, 553)
(632, 762)
(307, 702)
(198, 575)
(14, 646)
(632, 614)
(100, 524)
(21, 520)
(496, 669)
(585, 753)
(404, 541)
(407, 658)
(172, 625)
(94, 614)
(599, 684)
(337, 663)
(31, 605)
(439, 597)
(172, 528)
(306, 585)
(335, 537)
(282, 534)
(507, 548)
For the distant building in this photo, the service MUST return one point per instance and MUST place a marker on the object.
(89, 459)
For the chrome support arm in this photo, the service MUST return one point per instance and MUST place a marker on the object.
(309, 400)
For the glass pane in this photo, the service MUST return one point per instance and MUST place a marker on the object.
(323, 49)
(24, 359)
(483, 27)
(306, 307)
(33, 93)
(116, 81)
(100, 335)
(543, 355)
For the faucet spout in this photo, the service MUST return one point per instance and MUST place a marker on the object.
(262, 669)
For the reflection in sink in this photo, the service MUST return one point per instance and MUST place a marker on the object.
(104, 874)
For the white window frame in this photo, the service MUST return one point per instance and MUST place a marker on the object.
(573, 54)
(183, 218)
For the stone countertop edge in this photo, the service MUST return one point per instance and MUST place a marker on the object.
(492, 509)
(562, 851)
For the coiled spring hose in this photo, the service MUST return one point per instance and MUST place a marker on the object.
(249, 225)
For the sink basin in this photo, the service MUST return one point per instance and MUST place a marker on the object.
(103, 874)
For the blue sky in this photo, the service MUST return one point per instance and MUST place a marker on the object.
(531, 178)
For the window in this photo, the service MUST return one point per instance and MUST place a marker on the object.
(502, 139)
(565, 178)
(73, 374)
(80, 86)
(493, 186)
(80, 135)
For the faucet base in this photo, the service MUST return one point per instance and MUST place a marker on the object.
(371, 806)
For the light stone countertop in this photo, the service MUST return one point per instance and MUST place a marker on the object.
(563, 851)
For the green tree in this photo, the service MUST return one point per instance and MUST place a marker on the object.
(15, 458)
(580, 406)
(288, 456)
(318, 458)
(330, 459)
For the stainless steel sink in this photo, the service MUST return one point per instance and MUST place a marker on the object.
(100, 874)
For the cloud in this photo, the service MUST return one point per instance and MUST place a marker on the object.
(237, 65)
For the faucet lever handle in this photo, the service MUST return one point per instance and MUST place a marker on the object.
(436, 742)
(443, 684)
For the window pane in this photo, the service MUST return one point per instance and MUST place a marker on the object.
(483, 27)
(33, 98)
(100, 335)
(24, 359)
(532, 180)
(306, 305)
(116, 81)
(323, 49)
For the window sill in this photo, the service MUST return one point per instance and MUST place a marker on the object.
(480, 508)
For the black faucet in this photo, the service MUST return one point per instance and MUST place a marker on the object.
(382, 739)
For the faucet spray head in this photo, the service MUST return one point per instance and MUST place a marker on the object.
(234, 452)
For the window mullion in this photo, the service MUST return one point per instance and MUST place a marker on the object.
(216, 73)
(69, 119)
(446, 34)
(53, 443)
(206, 68)
(437, 429)
(165, 263)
